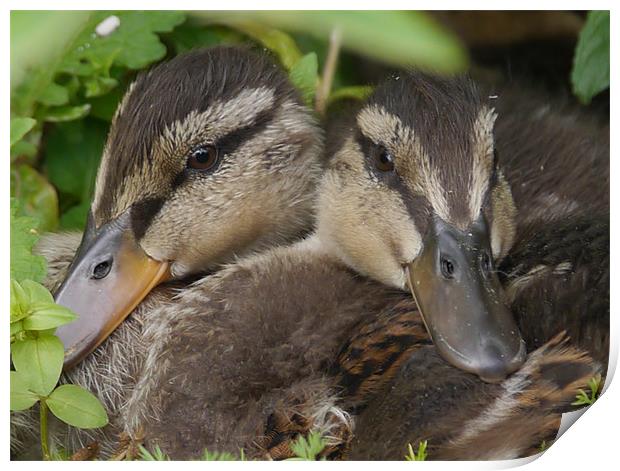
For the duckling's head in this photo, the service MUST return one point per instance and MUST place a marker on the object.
(414, 196)
(209, 156)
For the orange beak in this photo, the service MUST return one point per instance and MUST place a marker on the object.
(108, 278)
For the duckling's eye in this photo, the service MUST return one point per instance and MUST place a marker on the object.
(203, 158)
(447, 267)
(384, 161)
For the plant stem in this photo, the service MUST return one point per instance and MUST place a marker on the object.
(329, 70)
(45, 450)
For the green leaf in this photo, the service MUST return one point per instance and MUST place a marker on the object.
(220, 456)
(307, 449)
(77, 407)
(104, 106)
(189, 36)
(19, 302)
(48, 316)
(22, 398)
(54, 95)
(133, 44)
(420, 455)
(355, 92)
(66, 113)
(402, 38)
(24, 265)
(72, 154)
(277, 41)
(590, 73)
(38, 40)
(98, 86)
(304, 75)
(37, 198)
(20, 127)
(39, 362)
(36, 293)
(157, 455)
(75, 217)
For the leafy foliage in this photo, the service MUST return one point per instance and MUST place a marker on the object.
(308, 448)
(420, 455)
(24, 235)
(37, 358)
(585, 399)
(19, 128)
(157, 455)
(590, 73)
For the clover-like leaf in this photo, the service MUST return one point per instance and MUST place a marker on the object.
(77, 407)
(20, 127)
(39, 362)
(304, 75)
(22, 398)
(24, 265)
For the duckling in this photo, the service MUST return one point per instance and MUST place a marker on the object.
(407, 199)
(555, 274)
(210, 156)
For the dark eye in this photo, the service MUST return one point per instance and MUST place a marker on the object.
(203, 158)
(447, 267)
(384, 161)
(102, 269)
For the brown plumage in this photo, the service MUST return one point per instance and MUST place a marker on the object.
(464, 419)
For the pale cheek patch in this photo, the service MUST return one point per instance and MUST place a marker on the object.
(503, 226)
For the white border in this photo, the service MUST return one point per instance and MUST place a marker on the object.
(589, 444)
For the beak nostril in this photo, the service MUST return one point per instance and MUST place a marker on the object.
(485, 263)
(102, 269)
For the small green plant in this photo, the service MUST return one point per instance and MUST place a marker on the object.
(308, 449)
(420, 455)
(222, 456)
(157, 455)
(36, 353)
(585, 399)
(543, 446)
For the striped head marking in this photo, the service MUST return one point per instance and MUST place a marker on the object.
(212, 137)
(414, 198)
(209, 156)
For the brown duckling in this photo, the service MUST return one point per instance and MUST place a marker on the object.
(266, 333)
(211, 156)
(555, 274)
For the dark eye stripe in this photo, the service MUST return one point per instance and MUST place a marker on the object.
(143, 213)
(229, 143)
